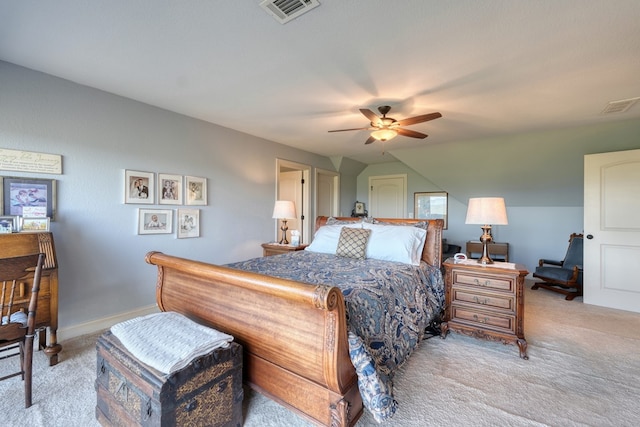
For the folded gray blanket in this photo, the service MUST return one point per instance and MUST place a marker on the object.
(168, 341)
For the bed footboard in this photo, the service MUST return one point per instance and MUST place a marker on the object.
(294, 334)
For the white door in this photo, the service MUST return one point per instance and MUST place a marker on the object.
(388, 196)
(290, 188)
(327, 193)
(612, 230)
(293, 184)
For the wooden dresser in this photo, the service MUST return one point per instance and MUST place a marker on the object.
(486, 301)
(15, 244)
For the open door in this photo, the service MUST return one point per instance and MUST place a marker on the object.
(327, 193)
(293, 184)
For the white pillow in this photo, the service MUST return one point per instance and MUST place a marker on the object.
(398, 243)
(325, 241)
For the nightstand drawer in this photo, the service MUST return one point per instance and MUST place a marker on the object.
(462, 295)
(481, 319)
(483, 281)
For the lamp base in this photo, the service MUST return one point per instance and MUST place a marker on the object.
(485, 239)
(284, 229)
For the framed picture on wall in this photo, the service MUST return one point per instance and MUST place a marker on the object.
(188, 223)
(19, 193)
(155, 221)
(196, 190)
(139, 187)
(169, 189)
(431, 205)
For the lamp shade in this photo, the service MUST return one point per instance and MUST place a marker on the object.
(487, 210)
(284, 209)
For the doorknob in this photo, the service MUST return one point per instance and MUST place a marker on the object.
(589, 236)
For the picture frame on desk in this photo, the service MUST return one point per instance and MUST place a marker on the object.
(20, 192)
(431, 205)
(35, 225)
(12, 221)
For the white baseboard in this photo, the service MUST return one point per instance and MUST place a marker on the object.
(102, 324)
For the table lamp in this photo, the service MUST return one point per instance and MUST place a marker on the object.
(283, 210)
(486, 211)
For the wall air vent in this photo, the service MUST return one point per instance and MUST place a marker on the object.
(285, 10)
(619, 106)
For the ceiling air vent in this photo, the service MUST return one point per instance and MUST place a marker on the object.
(286, 10)
(619, 106)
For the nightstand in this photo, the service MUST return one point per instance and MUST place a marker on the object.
(485, 301)
(269, 249)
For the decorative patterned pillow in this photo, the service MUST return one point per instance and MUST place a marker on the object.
(353, 243)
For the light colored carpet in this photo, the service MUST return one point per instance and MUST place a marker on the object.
(583, 370)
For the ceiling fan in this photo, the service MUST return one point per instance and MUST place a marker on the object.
(385, 128)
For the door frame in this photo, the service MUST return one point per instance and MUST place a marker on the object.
(305, 216)
(336, 193)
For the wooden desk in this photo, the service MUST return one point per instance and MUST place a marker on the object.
(16, 244)
(494, 248)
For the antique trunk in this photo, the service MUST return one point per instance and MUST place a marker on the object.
(207, 392)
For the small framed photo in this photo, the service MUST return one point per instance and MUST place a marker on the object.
(169, 189)
(18, 193)
(35, 224)
(155, 221)
(188, 223)
(196, 190)
(8, 224)
(139, 187)
(431, 206)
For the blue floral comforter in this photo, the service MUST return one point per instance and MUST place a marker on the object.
(388, 307)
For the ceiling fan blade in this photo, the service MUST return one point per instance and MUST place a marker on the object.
(419, 119)
(343, 130)
(373, 118)
(369, 140)
(411, 133)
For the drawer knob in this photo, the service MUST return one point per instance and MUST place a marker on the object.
(478, 319)
(485, 283)
(479, 301)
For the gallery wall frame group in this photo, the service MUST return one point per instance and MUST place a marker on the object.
(168, 189)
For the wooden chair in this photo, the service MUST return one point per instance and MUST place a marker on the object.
(565, 274)
(17, 328)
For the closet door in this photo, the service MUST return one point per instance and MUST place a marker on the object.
(612, 230)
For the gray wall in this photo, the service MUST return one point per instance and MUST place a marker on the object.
(533, 232)
(101, 258)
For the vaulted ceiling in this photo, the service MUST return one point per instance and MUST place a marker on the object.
(492, 68)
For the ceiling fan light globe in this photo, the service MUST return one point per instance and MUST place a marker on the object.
(384, 134)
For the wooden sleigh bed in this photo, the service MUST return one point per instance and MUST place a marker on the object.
(294, 334)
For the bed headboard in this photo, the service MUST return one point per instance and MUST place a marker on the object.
(432, 251)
